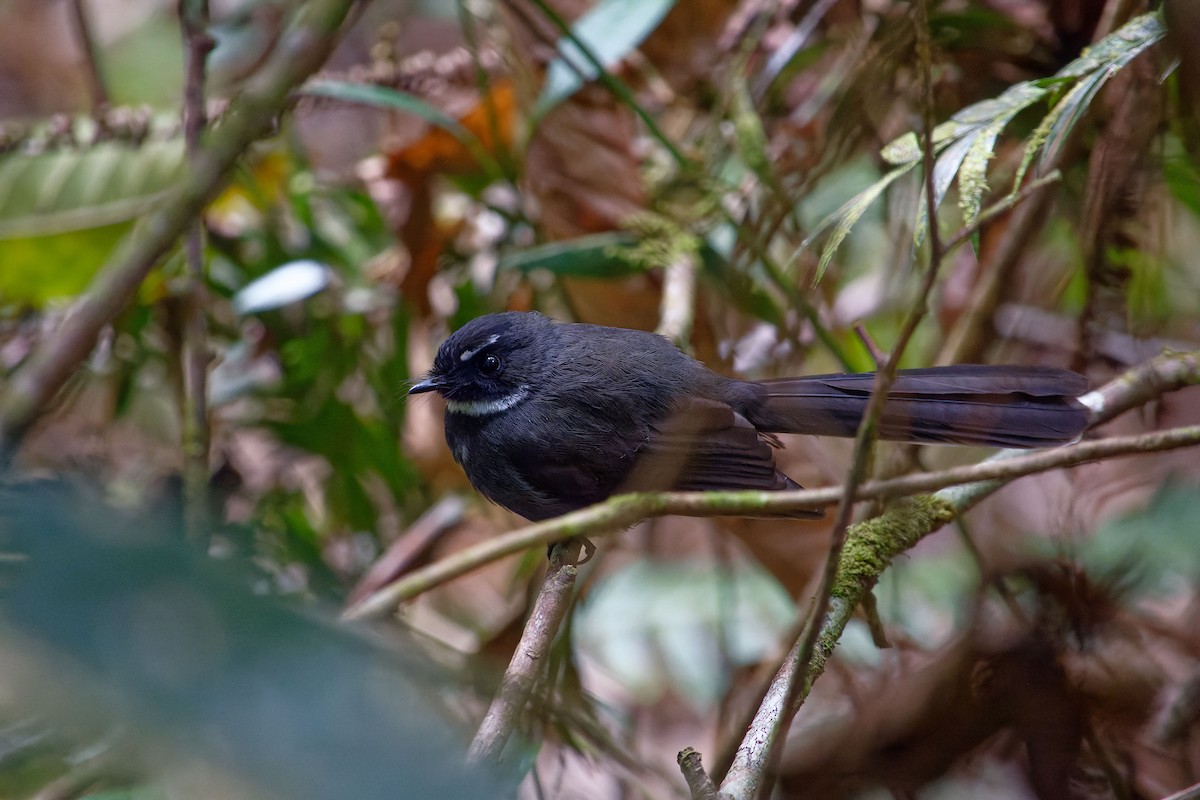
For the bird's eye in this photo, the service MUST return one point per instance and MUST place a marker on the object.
(489, 364)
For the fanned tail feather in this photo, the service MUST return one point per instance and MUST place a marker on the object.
(999, 406)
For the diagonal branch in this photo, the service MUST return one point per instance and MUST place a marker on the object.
(1152, 379)
(529, 660)
(302, 50)
(754, 761)
(873, 544)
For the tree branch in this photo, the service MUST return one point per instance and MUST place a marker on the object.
(753, 764)
(700, 786)
(622, 511)
(195, 357)
(252, 115)
(873, 544)
(529, 659)
(91, 60)
(1161, 375)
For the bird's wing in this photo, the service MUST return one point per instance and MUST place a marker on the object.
(707, 446)
(549, 484)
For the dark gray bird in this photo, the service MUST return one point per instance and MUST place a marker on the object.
(548, 417)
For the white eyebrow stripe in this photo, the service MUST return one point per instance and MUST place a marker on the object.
(484, 408)
(467, 355)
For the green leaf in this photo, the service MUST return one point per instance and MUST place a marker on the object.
(944, 170)
(36, 270)
(1003, 107)
(383, 97)
(135, 630)
(71, 190)
(972, 176)
(1097, 65)
(593, 256)
(1079, 99)
(906, 149)
(966, 141)
(610, 31)
(1118, 47)
(396, 100)
(841, 221)
(737, 286)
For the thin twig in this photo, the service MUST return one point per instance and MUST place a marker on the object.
(622, 511)
(755, 759)
(625, 510)
(193, 18)
(529, 659)
(873, 349)
(700, 786)
(411, 546)
(1164, 374)
(91, 59)
(483, 83)
(1141, 384)
(1190, 793)
(1003, 206)
(252, 115)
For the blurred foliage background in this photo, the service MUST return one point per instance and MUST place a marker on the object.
(741, 176)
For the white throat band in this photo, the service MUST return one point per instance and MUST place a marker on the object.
(485, 408)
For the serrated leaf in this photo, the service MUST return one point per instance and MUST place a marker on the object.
(972, 176)
(964, 144)
(72, 190)
(1005, 105)
(944, 170)
(907, 149)
(1033, 146)
(1119, 46)
(841, 221)
(592, 256)
(1079, 99)
(610, 31)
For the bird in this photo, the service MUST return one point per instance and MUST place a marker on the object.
(548, 417)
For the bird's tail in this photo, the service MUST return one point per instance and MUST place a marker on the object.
(997, 406)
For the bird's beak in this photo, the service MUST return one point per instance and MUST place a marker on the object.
(430, 384)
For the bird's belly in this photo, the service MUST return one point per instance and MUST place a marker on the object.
(539, 468)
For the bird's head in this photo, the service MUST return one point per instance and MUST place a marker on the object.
(490, 364)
